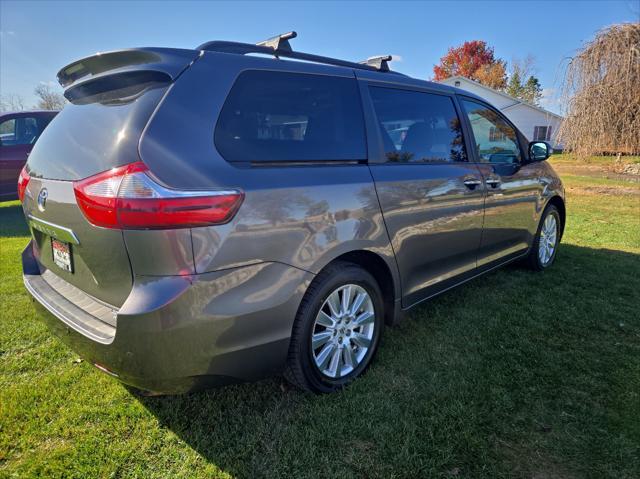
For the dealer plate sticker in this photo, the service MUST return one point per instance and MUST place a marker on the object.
(62, 255)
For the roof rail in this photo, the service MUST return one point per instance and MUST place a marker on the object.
(279, 46)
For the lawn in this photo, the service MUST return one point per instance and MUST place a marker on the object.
(516, 374)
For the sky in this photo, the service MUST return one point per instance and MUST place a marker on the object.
(37, 38)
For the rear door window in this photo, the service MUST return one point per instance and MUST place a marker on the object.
(418, 127)
(290, 117)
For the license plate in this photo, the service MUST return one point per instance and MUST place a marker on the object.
(62, 256)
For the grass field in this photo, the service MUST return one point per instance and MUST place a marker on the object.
(516, 374)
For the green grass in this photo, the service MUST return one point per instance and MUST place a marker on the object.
(596, 160)
(516, 374)
(586, 181)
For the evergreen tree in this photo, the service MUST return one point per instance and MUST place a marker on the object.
(514, 87)
(532, 91)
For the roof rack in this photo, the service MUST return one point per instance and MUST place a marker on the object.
(279, 46)
(380, 62)
(279, 42)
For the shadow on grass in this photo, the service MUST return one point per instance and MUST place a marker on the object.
(516, 373)
(12, 223)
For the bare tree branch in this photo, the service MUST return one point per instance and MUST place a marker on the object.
(49, 99)
(12, 102)
(523, 68)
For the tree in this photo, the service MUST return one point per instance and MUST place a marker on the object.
(514, 87)
(474, 60)
(600, 92)
(49, 99)
(529, 91)
(493, 76)
(532, 91)
(12, 102)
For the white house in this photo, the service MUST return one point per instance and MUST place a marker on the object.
(534, 122)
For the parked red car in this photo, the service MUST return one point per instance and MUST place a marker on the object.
(18, 133)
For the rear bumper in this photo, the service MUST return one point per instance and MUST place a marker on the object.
(179, 333)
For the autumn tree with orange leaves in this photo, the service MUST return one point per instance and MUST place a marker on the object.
(474, 60)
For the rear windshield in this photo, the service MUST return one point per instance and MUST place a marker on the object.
(93, 135)
(280, 116)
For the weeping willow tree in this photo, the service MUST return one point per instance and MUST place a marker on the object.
(602, 94)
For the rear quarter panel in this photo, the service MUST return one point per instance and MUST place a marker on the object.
(303, 216)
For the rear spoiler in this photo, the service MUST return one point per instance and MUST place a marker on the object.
(153, 63)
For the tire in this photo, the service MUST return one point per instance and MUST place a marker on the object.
(354, 336)
(537, 260)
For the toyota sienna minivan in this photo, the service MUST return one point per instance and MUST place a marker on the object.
(220, 214)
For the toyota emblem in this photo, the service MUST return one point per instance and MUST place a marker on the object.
(42, 199)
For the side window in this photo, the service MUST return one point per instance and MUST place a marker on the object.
(19, 131)
(280, 116)
(418, 127)
(27, 130)
(496, 141)
(8, 132)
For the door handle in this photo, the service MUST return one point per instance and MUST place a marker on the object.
(493, 182)
(472, 183)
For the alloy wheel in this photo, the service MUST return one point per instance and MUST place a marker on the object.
(343, 331)
(548, 240)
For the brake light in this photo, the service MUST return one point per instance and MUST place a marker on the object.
(128, 198)
(23, 181)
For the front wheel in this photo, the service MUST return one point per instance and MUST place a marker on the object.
(545, 245)
(337, 329)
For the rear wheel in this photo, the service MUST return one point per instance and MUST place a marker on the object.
(545, 245)
(337, 329)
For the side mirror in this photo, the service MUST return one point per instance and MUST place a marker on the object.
(539, 150)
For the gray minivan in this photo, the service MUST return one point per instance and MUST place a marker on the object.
(224, 213)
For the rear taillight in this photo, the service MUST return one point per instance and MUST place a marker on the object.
(128, 198)
(23, 181)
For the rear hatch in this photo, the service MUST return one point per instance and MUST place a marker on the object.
(112, 97)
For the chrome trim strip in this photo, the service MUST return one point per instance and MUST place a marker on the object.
(51, 229)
